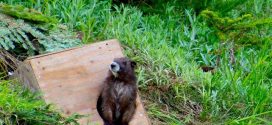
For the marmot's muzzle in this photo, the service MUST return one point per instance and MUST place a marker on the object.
(114, 68)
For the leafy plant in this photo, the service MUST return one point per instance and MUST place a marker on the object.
(17, 33)
(19, 36)
(235, 29)
(240, 30)
(20, 106)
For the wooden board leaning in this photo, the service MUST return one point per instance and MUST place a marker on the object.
(72, 79)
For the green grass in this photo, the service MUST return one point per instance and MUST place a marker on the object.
(170, 44)
(19, 106)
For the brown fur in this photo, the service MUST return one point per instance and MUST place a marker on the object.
(117, 101)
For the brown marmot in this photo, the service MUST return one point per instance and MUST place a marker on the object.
(117, 102)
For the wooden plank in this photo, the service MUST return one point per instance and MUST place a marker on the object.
(24, 73)
(72, 79)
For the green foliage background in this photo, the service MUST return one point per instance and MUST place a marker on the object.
(173, 40)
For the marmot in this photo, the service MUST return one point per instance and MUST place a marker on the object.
(117, 102)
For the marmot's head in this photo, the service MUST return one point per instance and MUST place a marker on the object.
(122, 67)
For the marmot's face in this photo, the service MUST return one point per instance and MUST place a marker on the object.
(122, 66)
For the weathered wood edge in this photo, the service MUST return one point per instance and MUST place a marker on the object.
(81, 46)
(25, 75)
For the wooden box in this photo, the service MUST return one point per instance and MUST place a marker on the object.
(72, 79)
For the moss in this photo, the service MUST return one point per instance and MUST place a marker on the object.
(26, 14)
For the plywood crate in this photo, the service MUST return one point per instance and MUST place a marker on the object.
(72, 79)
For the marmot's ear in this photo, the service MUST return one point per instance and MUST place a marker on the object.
(133, 64)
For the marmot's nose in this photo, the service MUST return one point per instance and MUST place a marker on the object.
(113, 65)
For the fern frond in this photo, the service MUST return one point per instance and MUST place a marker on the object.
(16, 36)
(12, 38)
(8, 41)
(4, 31)
(24, 37)
(3, 44)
